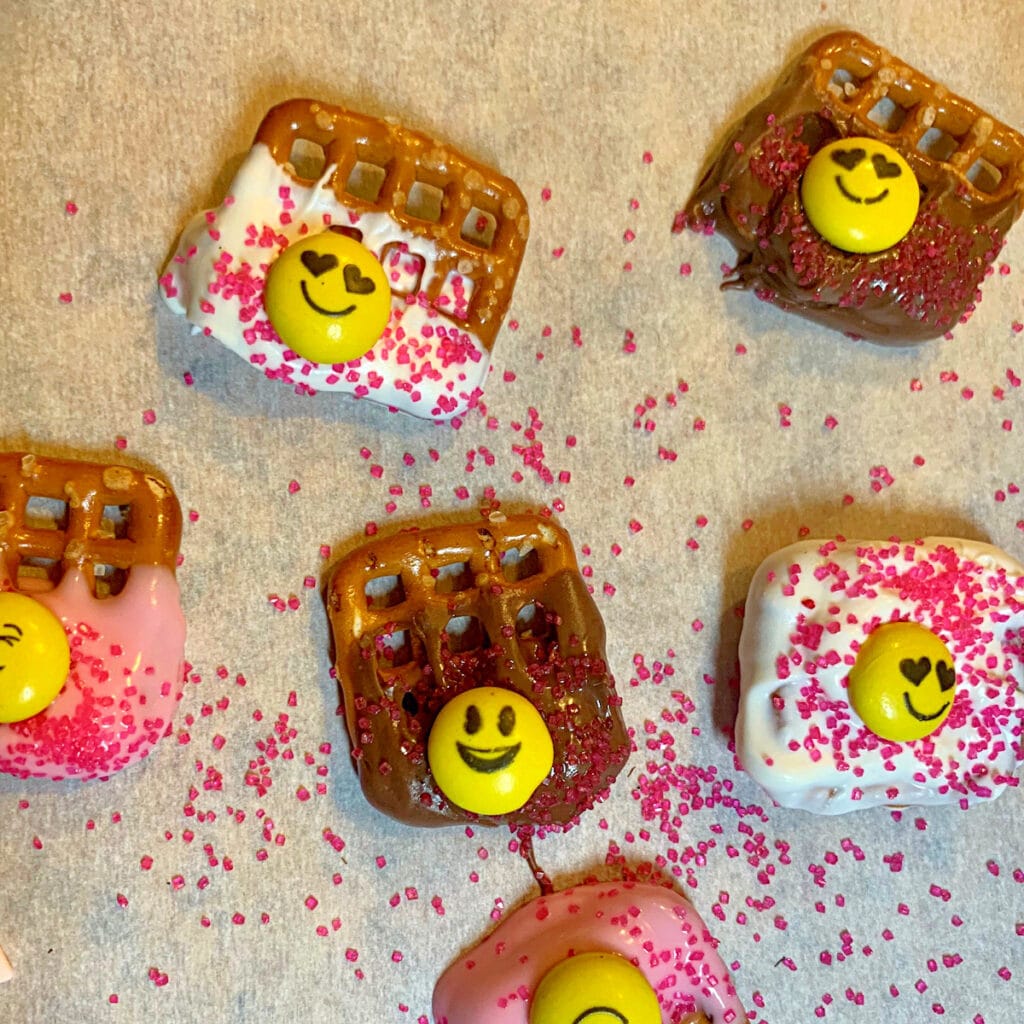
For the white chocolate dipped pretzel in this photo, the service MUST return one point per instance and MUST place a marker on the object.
(449, 232)
(809, 611)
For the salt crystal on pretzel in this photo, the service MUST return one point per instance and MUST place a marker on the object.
(449, 232)
(969, 166)
(650, 927)
(471, 612)
(96, 546)
(809, 614)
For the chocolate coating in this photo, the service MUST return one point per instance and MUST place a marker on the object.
(969, 166)
(531, 626)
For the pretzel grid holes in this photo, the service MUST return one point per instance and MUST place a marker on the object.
(519, 564)
(453, 578)
(384, 592)
(308, 159)
(366, 180)
(35, 573)
(43, 513)
(938, 129)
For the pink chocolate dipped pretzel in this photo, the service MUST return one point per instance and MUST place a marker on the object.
(96, 545)
(651, 926)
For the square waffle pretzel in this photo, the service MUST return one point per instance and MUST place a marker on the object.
(395, 159)
(936, 131)
(424, 615)
(969, 166)
(113, 518)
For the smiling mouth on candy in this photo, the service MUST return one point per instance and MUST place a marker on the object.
(320, 309)
(478, 760)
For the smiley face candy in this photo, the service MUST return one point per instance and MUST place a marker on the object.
(328, 298)
(91, 628)
(862, 195)
(380, 268)
(471, 661)
(883, 673)
(609, 953)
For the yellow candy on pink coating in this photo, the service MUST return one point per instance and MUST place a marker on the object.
(652, 928)
(34, 657)
(595, 988)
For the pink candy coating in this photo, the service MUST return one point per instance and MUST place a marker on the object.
(652, 926)
(125, 680)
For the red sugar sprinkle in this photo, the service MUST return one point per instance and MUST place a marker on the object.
(65, 297)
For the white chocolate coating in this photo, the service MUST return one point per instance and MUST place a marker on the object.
(808, 609)
(425, 363)
(653, 927)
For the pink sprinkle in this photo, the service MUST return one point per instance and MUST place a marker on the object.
(293, 487)
(648, 157)
(65, 297)
(149, 417)
(71, 208)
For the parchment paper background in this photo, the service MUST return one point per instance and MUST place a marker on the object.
(139, 114)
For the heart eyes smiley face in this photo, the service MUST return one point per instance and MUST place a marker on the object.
(488, 750)
(903, 682)
(860, 195)
(327, 298)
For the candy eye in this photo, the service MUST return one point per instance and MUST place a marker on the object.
(472, 719)
(506, 721)
(9, 638)
(848, 158)
(947, 676)
(885, 168)
(410, 704)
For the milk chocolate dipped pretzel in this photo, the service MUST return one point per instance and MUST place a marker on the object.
(449, 233)
(848, 91)
(469, 655)
(87, 560)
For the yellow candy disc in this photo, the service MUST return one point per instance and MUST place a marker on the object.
(860, 195)
(902, 683)
(489, 749)
(595, 988)
(328, 298)
(34, 657)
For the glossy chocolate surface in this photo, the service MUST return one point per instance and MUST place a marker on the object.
(969, 166)
(525, 622)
